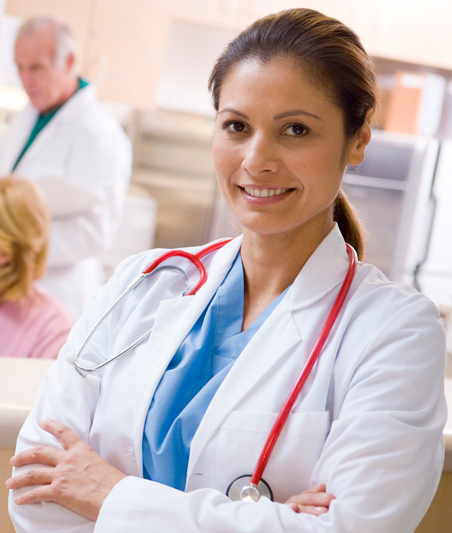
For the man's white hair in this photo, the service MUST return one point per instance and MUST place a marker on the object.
(65, 41)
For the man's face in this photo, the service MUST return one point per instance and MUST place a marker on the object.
(45, 82)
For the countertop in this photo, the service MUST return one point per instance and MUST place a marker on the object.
(20, 380)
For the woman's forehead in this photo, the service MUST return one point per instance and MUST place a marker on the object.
(278, 84)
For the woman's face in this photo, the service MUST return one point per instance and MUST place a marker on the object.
(279, 148)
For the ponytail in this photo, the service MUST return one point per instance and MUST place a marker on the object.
(349, 224)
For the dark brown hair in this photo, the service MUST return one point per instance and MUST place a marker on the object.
(331, 54)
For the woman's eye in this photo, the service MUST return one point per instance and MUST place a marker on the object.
(234, 126)
(295, 130)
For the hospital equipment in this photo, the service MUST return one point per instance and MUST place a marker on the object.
(250, 488)
(246, 488)
(150, 271)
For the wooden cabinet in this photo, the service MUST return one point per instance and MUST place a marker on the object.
(123, 42)
(126, 46)
(413, 31)
(77, 14)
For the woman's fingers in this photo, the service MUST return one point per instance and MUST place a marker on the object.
(64, 434)
(312, 501)
(321, 487)
(309, 509)
(34, 476)
(79, 480)
(45, 455)
(308, 498)
(35, 495)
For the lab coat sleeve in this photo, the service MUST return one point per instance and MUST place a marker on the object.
(63, 396)
(382, 458)
(100, 163)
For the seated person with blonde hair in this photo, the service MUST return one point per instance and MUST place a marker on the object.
(32, 322)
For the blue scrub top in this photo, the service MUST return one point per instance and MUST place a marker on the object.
(192, 378)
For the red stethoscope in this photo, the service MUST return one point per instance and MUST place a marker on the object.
(248, 488)
(154, 268)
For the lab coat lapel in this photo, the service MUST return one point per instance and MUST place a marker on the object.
(275, 340)
(14, 139)
(176, 317)
(69, 110)
(267, 349)
(174, 320)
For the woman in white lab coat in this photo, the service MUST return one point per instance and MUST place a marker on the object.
(293, 93)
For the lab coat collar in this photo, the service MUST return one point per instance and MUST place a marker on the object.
(184, 312)
(76, 104)
(326, 268)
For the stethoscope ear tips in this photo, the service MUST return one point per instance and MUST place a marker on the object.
(71, 357)
(93, 380)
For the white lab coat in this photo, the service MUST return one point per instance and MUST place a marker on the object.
(368, 422)
(84, 145)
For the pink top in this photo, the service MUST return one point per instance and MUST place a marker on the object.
(35, 327)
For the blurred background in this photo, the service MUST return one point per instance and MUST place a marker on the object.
(151, 59)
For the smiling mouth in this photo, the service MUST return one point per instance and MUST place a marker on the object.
(264, 193)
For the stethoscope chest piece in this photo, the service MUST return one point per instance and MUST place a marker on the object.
(241, 489)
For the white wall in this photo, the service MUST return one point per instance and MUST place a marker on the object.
(191, 52)
(8, 30)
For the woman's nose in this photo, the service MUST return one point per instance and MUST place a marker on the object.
(260, 156)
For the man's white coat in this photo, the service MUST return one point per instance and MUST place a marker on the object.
(83, 145)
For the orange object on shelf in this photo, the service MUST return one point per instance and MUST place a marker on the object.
(415, 103)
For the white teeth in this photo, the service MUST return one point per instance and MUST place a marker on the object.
(264, 193)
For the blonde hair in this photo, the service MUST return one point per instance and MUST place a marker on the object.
(24, 235)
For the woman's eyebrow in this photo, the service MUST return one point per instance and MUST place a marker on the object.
(296, 112)
(276, 117)
(234, 111)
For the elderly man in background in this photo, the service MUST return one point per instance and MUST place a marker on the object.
(66, 142)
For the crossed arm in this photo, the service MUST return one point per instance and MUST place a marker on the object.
(80, 480)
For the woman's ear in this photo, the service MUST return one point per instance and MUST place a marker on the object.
(358, 145)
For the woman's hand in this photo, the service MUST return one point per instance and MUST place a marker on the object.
(78, 479)
(314, 501)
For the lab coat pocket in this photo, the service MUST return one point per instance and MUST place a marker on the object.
(288, 472)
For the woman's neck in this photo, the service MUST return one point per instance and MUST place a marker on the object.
(271, 263)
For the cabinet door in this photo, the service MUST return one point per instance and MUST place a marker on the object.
(75, 13)
(415, 31)
(126, 48)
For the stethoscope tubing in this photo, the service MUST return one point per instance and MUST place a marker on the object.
(148, 272)
(302, 377)
(194, 258)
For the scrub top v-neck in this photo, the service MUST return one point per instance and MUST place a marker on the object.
(192, 378)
